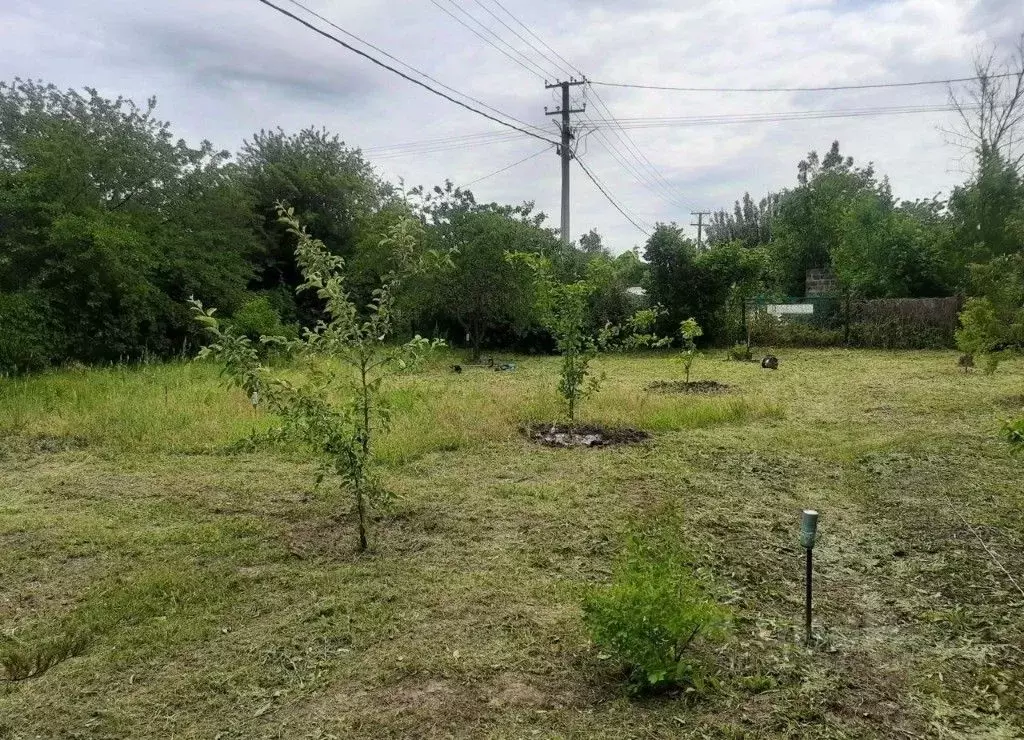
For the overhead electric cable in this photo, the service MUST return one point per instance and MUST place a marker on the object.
(610, 199)
(545, 150)
(519, 36)
(822, 88)
(401, 74)
(534, 71)
(420, 72)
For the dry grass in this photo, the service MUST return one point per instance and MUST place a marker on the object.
(217, 593)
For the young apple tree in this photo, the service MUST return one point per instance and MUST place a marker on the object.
(339, 408)
(563, 309)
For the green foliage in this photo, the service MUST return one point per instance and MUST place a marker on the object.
(335, 193)
(657, 605)
(981, 333)
(884, 252)
(482, 291)
(563, 309)
(257, 317)
(28, 338)
(1013, 432)
(768, 331)
(749, 223)
(809, 224)
(740, 352)
(337, 415)
(690, 330)
(112, 222)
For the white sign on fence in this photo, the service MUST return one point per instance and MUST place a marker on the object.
(786, 309)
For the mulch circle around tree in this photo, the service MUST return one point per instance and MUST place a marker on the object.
(582, 435)
(706, 387)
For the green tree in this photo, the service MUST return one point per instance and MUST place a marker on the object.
(749, 223)
(809, 224)
(340, 432)
(562, 308)
(672, 280)
(335, 192)
(482, 291)
(690, 331)
(590, 243)
(110, 221)
(885, 252)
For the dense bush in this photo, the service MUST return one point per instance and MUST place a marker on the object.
(257, 317)
(740, 352)
(768, 331)
(892, 333)
(28, 338)
(654, 610)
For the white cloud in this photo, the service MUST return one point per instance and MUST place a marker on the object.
(223, 70)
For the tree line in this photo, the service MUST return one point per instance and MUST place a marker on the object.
(109, 225)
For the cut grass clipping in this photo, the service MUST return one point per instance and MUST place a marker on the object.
(658, 605)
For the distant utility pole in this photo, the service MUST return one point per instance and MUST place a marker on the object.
(565, 150)
(700, 226)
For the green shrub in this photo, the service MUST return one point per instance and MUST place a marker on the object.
(654, 610)
(29, 339)
(898, 333)
(983, 334)
(257, 318)
(1013, 432)
(740, 352)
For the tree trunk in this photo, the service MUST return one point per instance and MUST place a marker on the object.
(361, 512)
(476, 341)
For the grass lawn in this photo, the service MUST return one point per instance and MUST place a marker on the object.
(217, 592)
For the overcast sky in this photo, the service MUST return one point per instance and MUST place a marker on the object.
(222, 69)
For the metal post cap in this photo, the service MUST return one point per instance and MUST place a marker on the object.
(808, 528)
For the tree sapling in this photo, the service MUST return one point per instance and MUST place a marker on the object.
(336, 414)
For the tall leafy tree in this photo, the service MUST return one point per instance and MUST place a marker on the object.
(333, 190)
(109, 221)
(672, 281)
(749, 222)
(809, 224)
(482, 291)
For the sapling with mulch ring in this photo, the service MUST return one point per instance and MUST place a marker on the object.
(690, 330)
(562, 308)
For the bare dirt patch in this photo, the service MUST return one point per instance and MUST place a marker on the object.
(583, 435)
(706, 387)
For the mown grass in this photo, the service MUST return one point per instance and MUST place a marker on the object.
(204, 588)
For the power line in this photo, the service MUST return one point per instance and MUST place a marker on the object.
(823, 88)
(661, 185)
(423, 74)
(637, 174)
(518, 35)
(569, 67)
(813, 115)
(483, 38)
(611, 200)
(401, 74)
(495, 137)
(656, 182)
(545, 150)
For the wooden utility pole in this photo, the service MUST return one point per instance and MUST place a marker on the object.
(700, 226)
(565, 150)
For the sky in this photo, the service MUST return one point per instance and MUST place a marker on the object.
(223, 69)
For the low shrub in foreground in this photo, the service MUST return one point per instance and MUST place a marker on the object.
(1013, 432)
(654, 611)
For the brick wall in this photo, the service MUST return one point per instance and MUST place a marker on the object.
(820, 281)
